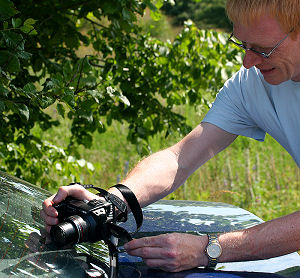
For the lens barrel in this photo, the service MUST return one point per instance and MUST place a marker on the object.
(73, 230)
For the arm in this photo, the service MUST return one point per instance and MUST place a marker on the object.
(270, 239)
(177, 252)
(159, 174)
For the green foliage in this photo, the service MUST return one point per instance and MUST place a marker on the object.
(205, 13)
(158, 28)
(126, 76)
(42, 163)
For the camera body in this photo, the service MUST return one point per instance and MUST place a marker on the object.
(82, 221)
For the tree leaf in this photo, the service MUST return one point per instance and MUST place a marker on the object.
(23, 111)
(28, 29)
(126, 14)
(24, 55)
(5, 25)
(69, 98)
(7, 9)
(13, 40)
(2, 106)
(16, 22)
(13, 63)
(46, 101)
(3, 90)
(124, 99)
(29, 21)
(60, 109)
(29, 88)
(4, 54)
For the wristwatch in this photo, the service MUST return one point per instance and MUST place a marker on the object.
(213, 250)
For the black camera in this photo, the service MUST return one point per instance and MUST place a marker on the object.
(90, 221)
(82, 221)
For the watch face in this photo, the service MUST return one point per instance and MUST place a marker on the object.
(214, 250)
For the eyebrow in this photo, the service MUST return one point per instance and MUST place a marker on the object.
(253, 45)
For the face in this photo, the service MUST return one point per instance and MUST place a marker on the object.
(263, 35)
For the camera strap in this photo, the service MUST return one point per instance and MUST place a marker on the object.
(120, 204)
(132, 203)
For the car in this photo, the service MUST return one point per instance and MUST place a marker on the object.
(24, 251)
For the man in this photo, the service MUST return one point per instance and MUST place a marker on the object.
(264, 96)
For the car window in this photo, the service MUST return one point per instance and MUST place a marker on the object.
(23, 251)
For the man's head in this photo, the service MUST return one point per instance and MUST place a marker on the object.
(261, 25)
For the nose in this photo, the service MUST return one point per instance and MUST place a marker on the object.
(251, 59)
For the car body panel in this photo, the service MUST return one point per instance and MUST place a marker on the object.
(23, 252)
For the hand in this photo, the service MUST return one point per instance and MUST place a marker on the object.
(170, 252)
(49, 213)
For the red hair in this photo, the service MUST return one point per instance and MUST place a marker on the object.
(287, 12)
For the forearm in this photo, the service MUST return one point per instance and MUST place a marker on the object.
(163, 172)
(270, 239)
(155, 177)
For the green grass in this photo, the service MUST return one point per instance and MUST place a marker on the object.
(258, 176)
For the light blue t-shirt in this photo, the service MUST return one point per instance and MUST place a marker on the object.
(247, 105)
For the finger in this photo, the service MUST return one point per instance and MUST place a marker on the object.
(62, 194)
(48, 209)
(47, 228)
(148, 252)
(46, 236)
(49, 220)
(76, 191)
(154, 241)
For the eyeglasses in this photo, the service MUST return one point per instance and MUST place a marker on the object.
(261, 53)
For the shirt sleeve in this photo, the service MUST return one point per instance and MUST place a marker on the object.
(229, 110)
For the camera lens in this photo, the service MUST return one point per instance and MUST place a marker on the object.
(72, 231)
